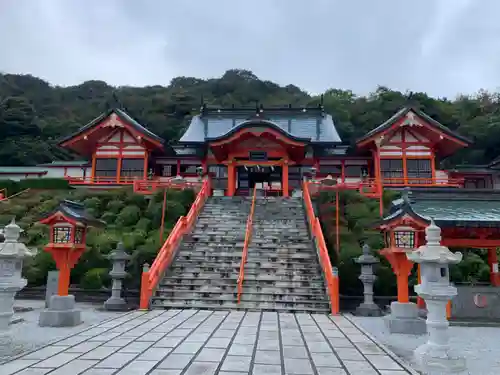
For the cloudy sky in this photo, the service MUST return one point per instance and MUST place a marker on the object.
(443, 47)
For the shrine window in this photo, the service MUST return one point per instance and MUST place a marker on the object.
(132, 168)
(354, 171)
(106, 167)
(391, 168)
(419, 170)
(189, 167)
(168, 170)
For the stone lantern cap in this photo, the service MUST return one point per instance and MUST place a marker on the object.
(366, 258)
(432, 251)
(11, 247)
(119, 253)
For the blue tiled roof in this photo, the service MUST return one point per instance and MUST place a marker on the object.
(317, 126)
(455, 207)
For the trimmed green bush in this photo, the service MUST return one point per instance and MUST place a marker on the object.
(93, 279)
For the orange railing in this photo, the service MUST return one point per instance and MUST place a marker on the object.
(331, 276)
(418, 181)
(151, 186)
(151, 276)
(248, 238)
(102, 180)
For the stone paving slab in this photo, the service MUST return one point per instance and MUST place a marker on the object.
(479, 345)
(203, 342)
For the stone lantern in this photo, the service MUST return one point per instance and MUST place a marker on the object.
(12, 253)
(119, 258)
(436, 356)
(68, 230)
(367, 277)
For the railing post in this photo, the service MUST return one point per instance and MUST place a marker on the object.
(144, 303)
(336, 297)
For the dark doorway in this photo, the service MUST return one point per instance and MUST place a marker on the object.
(265, 177)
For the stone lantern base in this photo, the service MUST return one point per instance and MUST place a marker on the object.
(61, 313)
(404, 319)
(116, 304)
(368, 309)
(438, 359)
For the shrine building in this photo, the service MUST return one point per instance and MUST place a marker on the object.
(272, 148)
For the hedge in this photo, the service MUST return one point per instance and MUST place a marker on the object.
(13, 187)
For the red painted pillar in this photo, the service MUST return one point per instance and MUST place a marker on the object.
(231, 179)
(402, 267)
(284, 185)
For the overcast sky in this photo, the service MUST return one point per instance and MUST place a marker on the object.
(443, 47)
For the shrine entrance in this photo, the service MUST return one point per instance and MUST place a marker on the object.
(266, 178)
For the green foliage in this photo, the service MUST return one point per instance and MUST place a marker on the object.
(128, 216)
(13, 187)
(130, 224)
(93, 279)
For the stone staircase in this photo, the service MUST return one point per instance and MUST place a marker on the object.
(282, 271)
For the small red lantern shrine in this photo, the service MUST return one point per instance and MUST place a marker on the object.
(68, 230)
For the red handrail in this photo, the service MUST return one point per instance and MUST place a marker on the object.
(331, 277)
(151, 277)
(248, 237)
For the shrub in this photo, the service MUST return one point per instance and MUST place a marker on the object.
(44, 183)
(128, 216)
(93, 279)
(115, 206)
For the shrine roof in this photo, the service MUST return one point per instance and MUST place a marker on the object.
(402, 112)
(449, 207)
(303, 123)
(75, 211)
(123, 116)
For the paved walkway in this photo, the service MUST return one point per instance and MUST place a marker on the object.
(200, 342)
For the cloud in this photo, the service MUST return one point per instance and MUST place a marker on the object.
(443, 47)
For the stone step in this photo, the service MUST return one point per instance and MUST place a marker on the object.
(285, 281)
(214, 292)
(291, 302)
(225, 257)
(278, 274)
(241, 306)
(189, 265)
(169, 287)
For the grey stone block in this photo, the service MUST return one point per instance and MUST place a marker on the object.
(404, 318)
(61, 313)
(366, 309)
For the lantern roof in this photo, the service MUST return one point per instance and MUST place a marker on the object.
(448, 207)
(72, 212)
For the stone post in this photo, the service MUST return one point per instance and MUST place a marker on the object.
(12, 253)
(367, 277)
(436, 356)
(119, 258)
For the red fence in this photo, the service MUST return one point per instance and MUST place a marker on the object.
(151, 277)
(331, 277)
(248, 238)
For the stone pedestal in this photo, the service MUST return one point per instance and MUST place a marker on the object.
(404, 318)
(61, 313)
(367, 277)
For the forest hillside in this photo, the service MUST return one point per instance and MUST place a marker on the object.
(35, 114)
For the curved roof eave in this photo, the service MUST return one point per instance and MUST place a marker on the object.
(249, 123)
